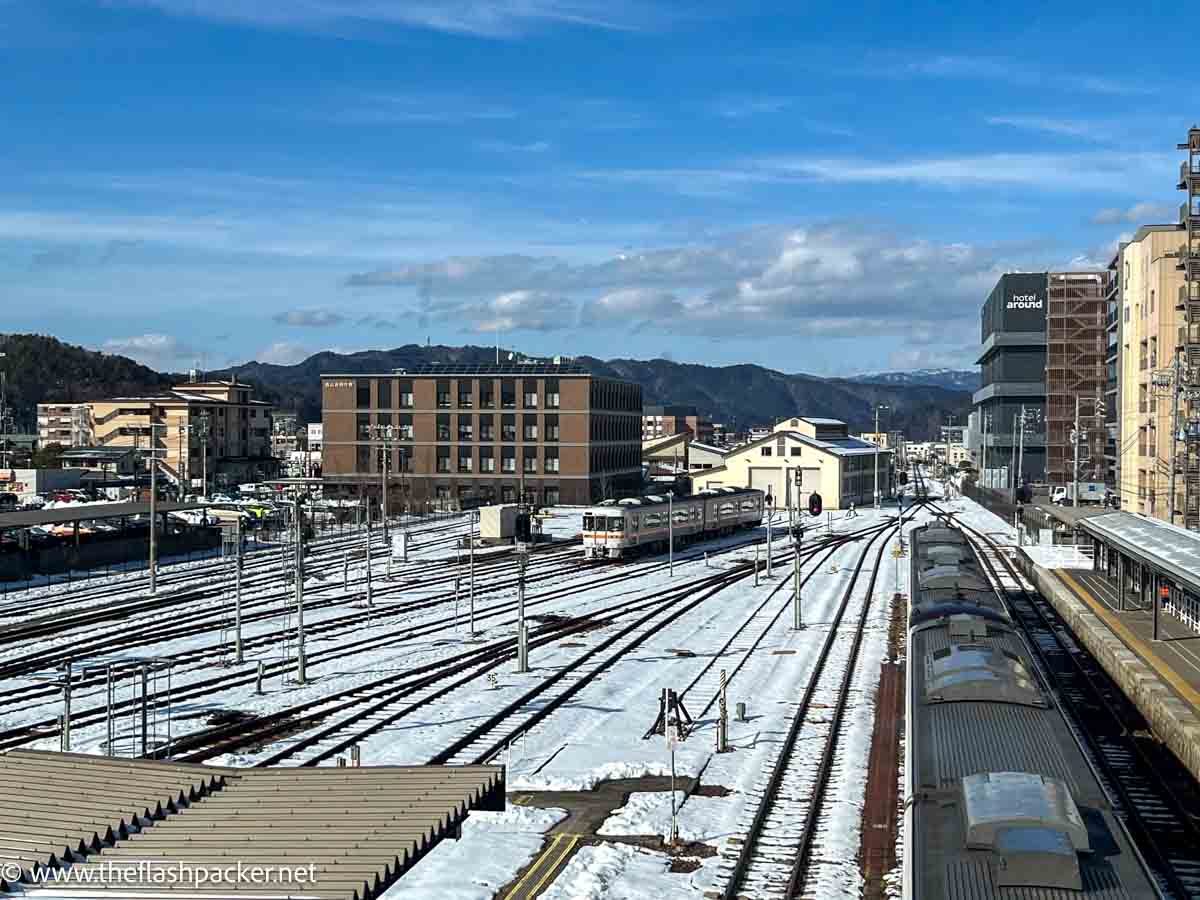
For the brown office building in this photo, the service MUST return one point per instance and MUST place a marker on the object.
(463, 435)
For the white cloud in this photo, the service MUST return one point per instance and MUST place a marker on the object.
(158, 351)
(484, 18)
(514, 147)
(283, 353)
(1017, 71)
(737, 106)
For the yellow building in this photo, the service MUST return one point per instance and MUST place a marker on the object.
(801, 456)
(201, 429)
(1149, 328)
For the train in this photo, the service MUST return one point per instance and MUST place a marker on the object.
(620, 528)
(1000, 799)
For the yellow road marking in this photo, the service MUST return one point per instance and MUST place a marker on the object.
(1132, 641)
(554, 865)
(516, 889)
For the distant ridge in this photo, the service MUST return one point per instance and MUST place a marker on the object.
(43, 369)
(950, 379)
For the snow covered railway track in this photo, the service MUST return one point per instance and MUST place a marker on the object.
(749, 635)
(775, 856)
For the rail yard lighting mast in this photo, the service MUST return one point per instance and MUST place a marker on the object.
(671, 532)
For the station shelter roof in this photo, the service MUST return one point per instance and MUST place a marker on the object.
(81, 511)
(1172, 550)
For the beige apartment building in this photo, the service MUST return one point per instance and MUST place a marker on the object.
(68, 424)
(1149, 328)
(212, 429)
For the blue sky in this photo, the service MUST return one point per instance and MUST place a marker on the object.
(830, 188)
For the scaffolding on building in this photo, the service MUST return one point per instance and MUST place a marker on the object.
(1076, 328)
(1185, 433)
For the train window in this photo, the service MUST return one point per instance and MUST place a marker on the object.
(616, 523)
(633, 523)
(588, 522)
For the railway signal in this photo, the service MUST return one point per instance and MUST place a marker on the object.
(814, 504)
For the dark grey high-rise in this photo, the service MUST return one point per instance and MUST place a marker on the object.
(1013, 369)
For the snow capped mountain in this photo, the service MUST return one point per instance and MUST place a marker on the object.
(951, 379)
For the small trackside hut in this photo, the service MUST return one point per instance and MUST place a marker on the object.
(621, 528)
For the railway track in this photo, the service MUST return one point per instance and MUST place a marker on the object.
(365, 715)
(1153, 794)
(776, 853)
(203, 689)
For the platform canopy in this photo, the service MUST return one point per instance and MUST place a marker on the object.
(79, 512)
(1170, 549)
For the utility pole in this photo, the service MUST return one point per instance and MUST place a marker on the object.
(522, 630)
(1176, 390)
(987, 420)
(1021, 443)
(3, 415)
(770, 516)
(797, 612)
(300, 672)
(878, 407)
(471, 577)
(204, 425)
(153, 514)
(671, 532)
(1075, 471)
(237, 588)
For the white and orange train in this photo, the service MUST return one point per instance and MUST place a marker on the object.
(618, 528)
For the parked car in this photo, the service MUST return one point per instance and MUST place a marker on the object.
(9, 502)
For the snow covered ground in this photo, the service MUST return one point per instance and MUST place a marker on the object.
(597, 735)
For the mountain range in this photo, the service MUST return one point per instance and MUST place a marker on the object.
(44, 369)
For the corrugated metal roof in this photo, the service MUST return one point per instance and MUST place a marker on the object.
(359, 828)
(1172, 549)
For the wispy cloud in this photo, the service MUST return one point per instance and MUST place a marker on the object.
(1138, 214)
(481, 18)
(514, 147)
(1107, 170)
(309, 318)
(1073, 128)
(418, 109)
(744, 106)
(283, 353)
(1017, 71)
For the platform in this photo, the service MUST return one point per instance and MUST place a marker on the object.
(1161, 677)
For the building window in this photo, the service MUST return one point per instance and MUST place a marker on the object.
(530, 461)
(487, 428)
(406, 394)
(443, 427)
(764, 451)
(362, 426)
(508, 494)
(487, 396)
(552, 396)
(508, 459)
(551, 459)
(362, 394)
(466, 431)
(529, 395)
(552, 496)
(383, 389)
(443, 394)
(465, 399)
(795, 451)
(443, 459)
(406, 426)
(508, 428)
(552, 428)
(487, 462)
(530, 429)
(362, 461)
(464, 459)
(508, 393)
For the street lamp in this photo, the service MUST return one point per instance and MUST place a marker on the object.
(387, 435)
